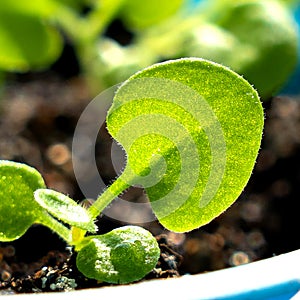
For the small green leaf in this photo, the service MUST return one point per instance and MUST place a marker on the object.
(18, 210)
(123, 255)
(191, 130)
(65, 209)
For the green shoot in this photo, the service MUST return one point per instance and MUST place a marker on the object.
(191, 129)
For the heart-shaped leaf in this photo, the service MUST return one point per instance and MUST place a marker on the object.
(65, 209)
(192, 130)
(123, 255)
(18, 209)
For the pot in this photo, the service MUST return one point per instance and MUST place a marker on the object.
(276, 278)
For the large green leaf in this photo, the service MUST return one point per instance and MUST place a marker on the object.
(123, 255)
(191, 130)
(18, 209)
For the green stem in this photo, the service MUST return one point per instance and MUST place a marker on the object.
(57, 227)
(85, 32)
(108, 196)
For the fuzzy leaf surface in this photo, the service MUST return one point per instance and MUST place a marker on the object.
(18, 209)
(191, 129)
(123, 255)
(65, 209)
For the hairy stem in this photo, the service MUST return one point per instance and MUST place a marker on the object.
(108, 196)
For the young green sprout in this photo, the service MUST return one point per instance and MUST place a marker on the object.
(191, 129)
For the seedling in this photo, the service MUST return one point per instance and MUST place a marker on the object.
(191, 129)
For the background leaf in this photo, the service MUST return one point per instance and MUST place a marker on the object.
(191, 130)
(27, 41)
(18, 209)
(44, 8)
(65, 209)
(141, 14)
(123, 255)
(257, 39)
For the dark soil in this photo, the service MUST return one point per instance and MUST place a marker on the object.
(38, 117)
(57, 271)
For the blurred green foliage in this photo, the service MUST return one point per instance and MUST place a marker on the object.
(256, 38)
(27, 40)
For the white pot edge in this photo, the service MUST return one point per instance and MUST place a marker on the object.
(229, 283)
